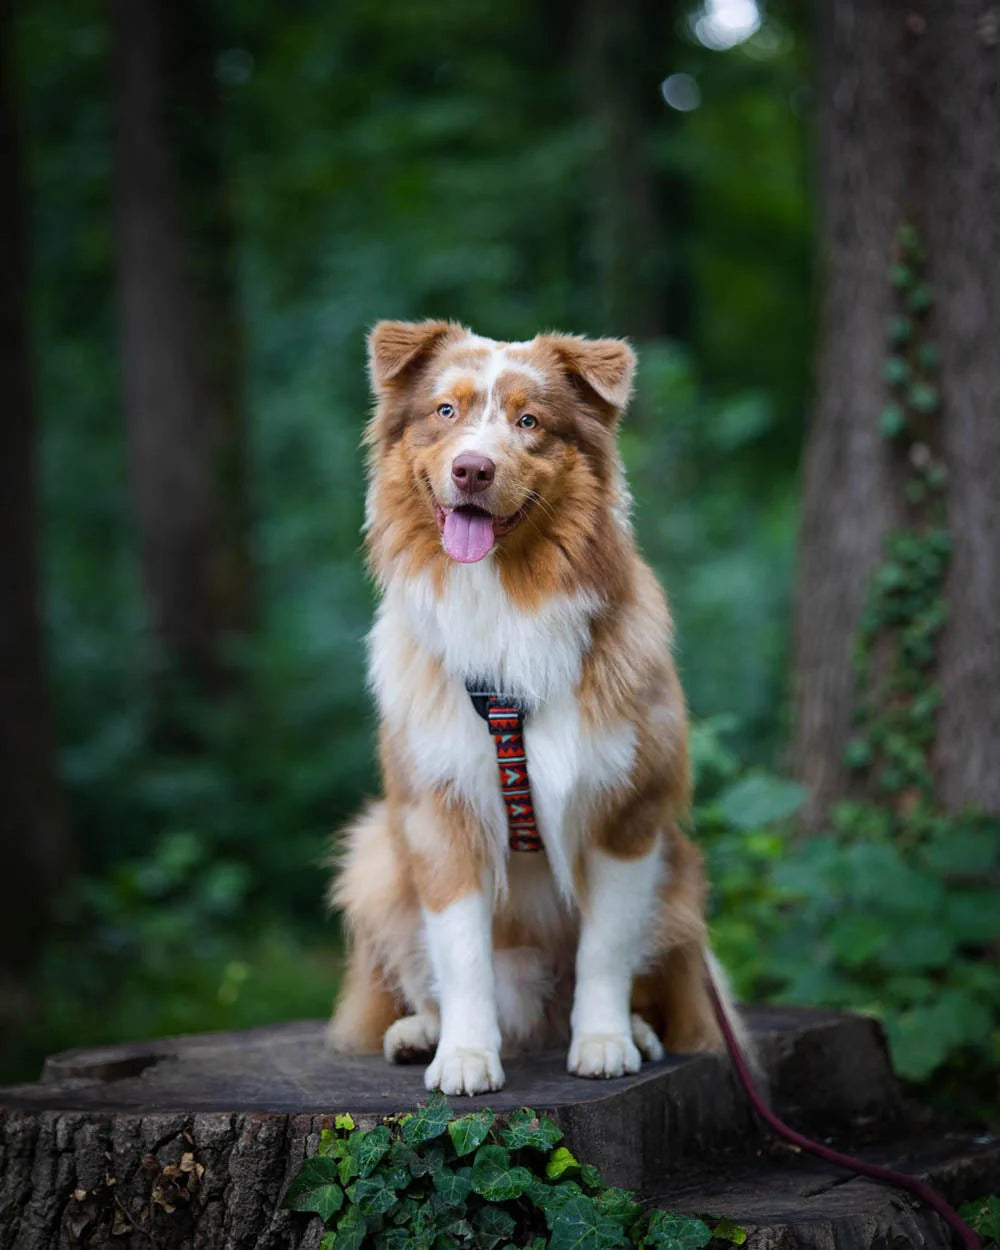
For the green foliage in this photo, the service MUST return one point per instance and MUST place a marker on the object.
(383, 160)
(892, 910)
(894, 919)
(983, 1217)
(174, 941)
(439, 1182)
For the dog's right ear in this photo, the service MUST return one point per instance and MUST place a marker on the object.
(395, 346)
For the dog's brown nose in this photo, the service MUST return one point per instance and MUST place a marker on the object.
(471, 472)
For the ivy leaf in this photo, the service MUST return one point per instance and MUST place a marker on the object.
(919, 299)
(561, 1160)
(578, 1225)
(983, 1214)
(402, 1154)
(470, 1131)
(617, 1204)
(352, 1229)
(372, 1196)
(345, 1121)
(368, 1149)
(347, 1166)
(461, 1229)
(494, 1178)
(427, 1122)
(316, 1188)
(330, 1145)
(328, 1241)
(900, 275)
(454, 1187)
(396, 1239)
(426, 1164)
(590, 1177)
(676, 1232)
(524, 1128)
(892, 420)
(408, 1213)
(495, 1223)
(726, 1230)
(900, 330)
(923, 397)
(552, 1198)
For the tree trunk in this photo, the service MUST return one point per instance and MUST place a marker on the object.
(963, 238)
(34, 840)
(910, 131)
(180, 345)
(637, 206)
(190, 1142)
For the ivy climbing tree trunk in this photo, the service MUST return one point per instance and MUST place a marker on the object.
(34, 840)
(910, 133)
(180, 334)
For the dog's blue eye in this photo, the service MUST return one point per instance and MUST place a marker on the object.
(528, 422)
(446, 410)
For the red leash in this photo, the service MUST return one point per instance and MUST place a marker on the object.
(886, 1176)
(505, 719)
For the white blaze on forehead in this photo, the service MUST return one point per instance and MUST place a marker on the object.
(497, 359)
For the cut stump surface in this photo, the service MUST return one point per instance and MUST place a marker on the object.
(191, 1141)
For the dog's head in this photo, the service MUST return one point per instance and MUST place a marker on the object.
(482, 447)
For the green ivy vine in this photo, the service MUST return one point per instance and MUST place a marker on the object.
(431, 1180)
(896, 647)
(892, 909)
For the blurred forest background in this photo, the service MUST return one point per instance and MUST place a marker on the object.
(205, 207)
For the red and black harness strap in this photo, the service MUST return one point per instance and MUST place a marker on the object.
(505, 718)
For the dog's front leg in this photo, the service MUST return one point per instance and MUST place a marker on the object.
(460, 946)
(618, 916)
(458, 924)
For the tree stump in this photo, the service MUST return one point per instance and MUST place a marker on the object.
(190, 1142)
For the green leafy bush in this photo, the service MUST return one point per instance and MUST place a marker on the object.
(896, 918)
(431, 1181)
(175, 941)
(983, 1217)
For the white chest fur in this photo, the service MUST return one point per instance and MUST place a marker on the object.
(473, 629)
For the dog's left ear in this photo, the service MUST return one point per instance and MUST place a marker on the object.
(607, 366)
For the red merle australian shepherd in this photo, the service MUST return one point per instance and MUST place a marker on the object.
(485, 920)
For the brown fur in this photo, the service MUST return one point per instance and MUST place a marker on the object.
(422, 846)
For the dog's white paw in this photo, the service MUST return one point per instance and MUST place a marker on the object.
(465, 1071)
(603, 1055)
(411, 1038)
(649, 1044)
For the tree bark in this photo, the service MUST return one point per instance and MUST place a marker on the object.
(189, 1143)
(638, 207)
(180, 343)
(34, 838)
(963, 238)
(910, 131)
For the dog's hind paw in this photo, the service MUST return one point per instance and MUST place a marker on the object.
(411, 1039)
(463, 1071)
(603, 1055)
(645, 1038)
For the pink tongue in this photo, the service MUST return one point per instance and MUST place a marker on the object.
(468, 536)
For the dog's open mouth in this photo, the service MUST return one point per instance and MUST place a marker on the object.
(469, 533)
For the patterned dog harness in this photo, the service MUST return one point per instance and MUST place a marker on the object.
(505, 718)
